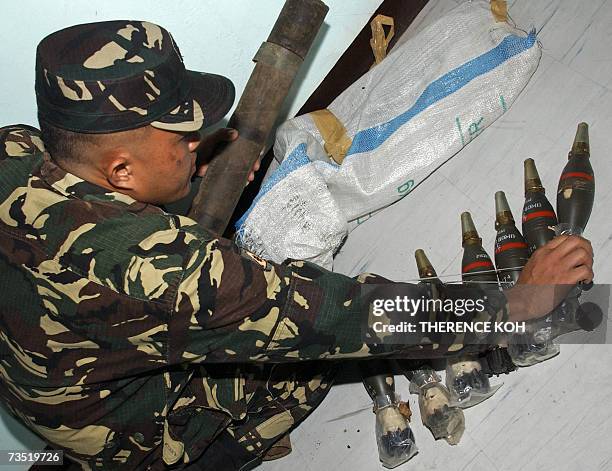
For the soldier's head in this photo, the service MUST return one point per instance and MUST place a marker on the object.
(117, 107)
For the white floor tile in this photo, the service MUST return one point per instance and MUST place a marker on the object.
(590, 55)
(560, 23)
(555, 102)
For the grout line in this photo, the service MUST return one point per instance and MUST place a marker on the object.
(547, 20)
(491, 462)
(584, 30)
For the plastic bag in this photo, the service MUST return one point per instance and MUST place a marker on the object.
(529, 351)
(437, 414)
(394, 437)
(467, 382)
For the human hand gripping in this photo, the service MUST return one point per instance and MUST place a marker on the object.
(549, 275)
(211, 145)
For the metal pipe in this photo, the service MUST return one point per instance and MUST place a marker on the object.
(277, 63)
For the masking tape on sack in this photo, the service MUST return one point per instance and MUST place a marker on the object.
(380, 41)
(333, 132)
(499, 8)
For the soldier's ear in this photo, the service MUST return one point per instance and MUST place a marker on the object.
(119, 171)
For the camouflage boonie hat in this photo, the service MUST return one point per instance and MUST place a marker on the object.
(120, 75)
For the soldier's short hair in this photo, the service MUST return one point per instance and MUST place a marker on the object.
(64, 145)
(78, 147)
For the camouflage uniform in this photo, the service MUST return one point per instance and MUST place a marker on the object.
(133, 339)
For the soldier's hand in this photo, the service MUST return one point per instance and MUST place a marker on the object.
(210, 146)
(549, 275)
(565, 260)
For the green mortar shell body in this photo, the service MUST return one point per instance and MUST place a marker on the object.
(475, 259)
(510, 251)
(538, 219)
(576, 192)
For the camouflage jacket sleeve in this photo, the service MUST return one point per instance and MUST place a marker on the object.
(232, 306)
(19, 140)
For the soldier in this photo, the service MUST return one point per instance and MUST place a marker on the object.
(133, 339)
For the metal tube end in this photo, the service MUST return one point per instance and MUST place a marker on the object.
(501, 203)
(532, 178)
(581, 141)
(503, 214)
(531, 172)
(468, 229)
(467, 224)
(424, 266)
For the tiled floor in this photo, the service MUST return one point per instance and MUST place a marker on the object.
(553, 416)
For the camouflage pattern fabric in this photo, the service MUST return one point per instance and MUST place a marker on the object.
(20, 141)
(118, 75)
(282, 396)
(129, 337)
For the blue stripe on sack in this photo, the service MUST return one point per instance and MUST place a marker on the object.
(370, 139)
(295, 160)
